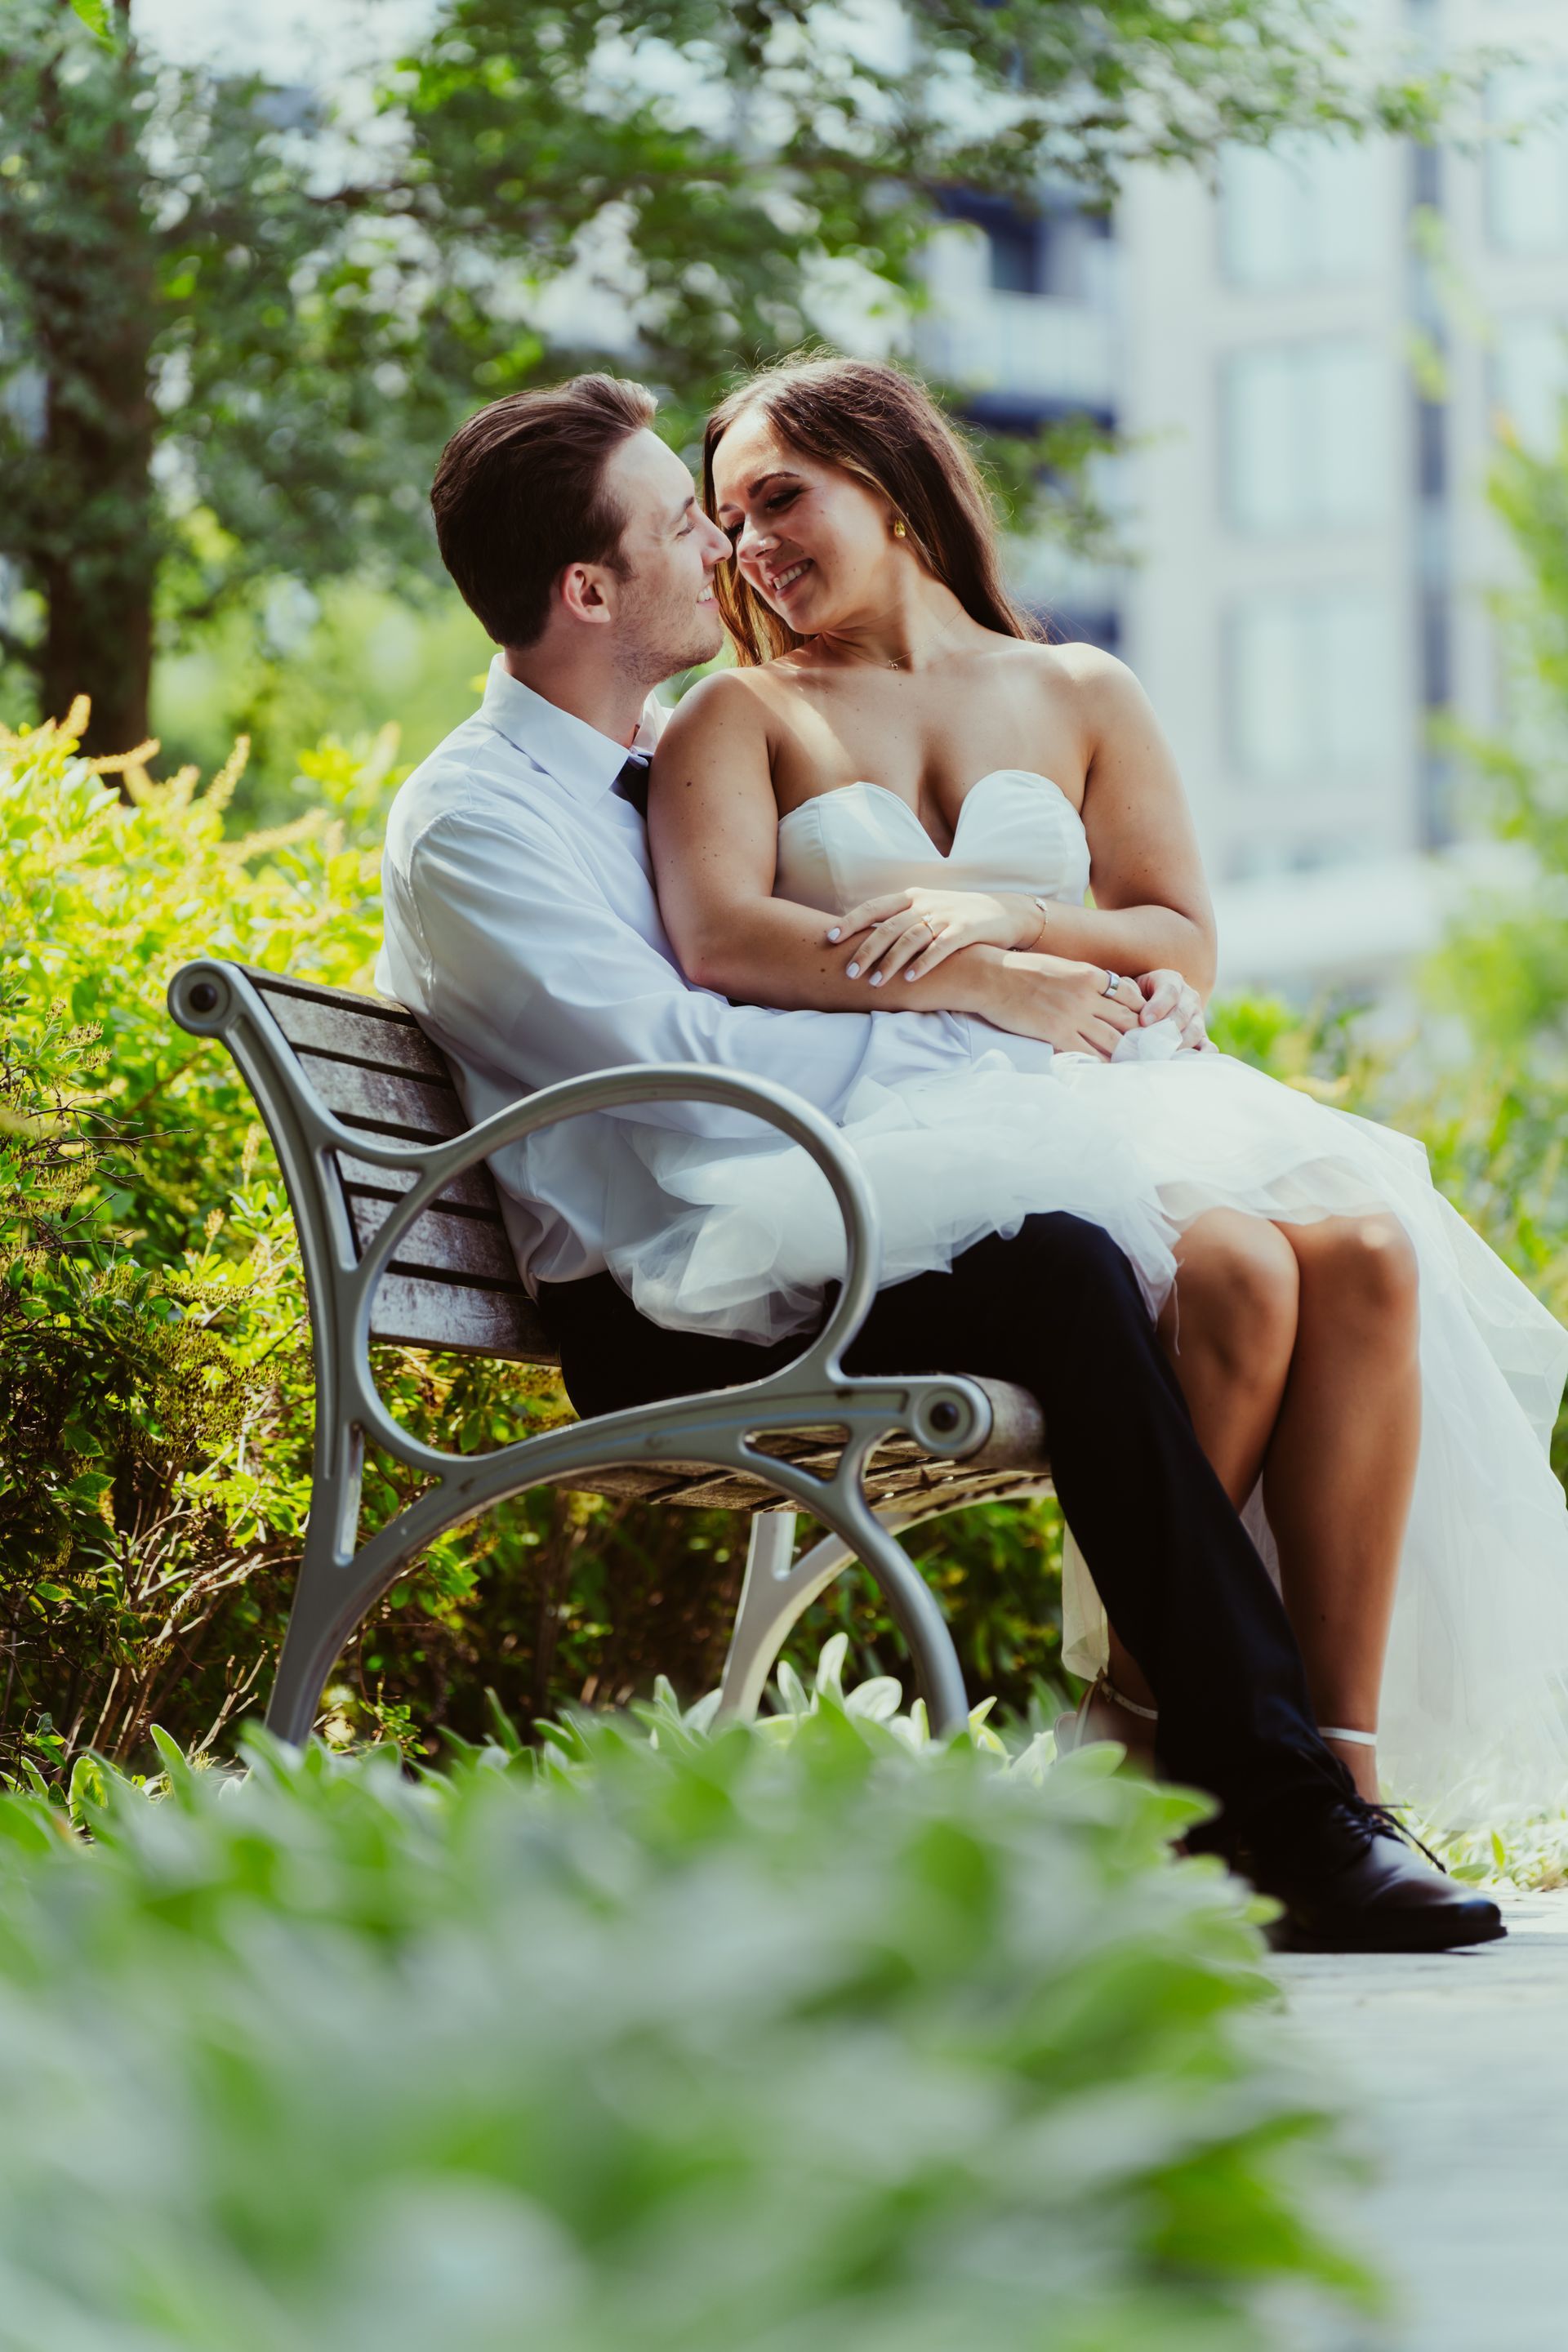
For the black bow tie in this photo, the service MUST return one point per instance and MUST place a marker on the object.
(632, 783)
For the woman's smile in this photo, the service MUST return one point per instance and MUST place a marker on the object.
(780, 582)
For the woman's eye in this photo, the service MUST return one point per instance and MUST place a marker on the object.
(784, 498)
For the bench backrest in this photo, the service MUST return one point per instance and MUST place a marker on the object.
(454, 1283)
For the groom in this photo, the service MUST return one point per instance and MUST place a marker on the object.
(522, 926)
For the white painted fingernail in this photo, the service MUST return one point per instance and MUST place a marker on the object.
(832, 934)
(854, 971)
(876, 979)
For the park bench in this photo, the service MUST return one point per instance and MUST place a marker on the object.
(403, 1240)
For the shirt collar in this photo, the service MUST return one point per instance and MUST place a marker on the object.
(568, 750)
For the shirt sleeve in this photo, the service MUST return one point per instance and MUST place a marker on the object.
(526, 964)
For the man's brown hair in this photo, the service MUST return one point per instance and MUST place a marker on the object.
(519, 494)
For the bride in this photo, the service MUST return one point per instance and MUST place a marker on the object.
(897, 752)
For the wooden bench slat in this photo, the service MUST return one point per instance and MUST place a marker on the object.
(473, 1192)
(438, 1244)
(394, 1046)
(282, 983)
(918, 1487)
(396, 1105)
(410, 1312)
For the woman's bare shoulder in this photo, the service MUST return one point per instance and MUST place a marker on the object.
(726, 702)
(1071, 663)
(1098, 688)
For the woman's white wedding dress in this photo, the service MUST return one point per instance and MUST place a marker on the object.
(1475, 1706)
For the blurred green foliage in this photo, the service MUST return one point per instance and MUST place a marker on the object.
(796, 2036)
(242, 315)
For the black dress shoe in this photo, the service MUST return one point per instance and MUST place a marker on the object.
(1354, 1880)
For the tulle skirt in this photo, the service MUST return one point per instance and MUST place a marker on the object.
(1475, 1706)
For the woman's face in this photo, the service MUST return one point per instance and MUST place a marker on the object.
(814, 542)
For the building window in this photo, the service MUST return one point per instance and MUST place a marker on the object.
(1014, 244)
(1530, 381)
(1312, 694)
(1305, 440)
(1527, 178)
(1297, 214)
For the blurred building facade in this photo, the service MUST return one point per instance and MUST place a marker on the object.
(1310, 359)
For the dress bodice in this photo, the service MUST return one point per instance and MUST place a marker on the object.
(1016, 831)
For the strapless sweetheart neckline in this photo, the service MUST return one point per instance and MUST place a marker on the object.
(864, 784)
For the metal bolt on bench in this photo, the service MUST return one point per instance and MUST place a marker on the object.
(403, 1240)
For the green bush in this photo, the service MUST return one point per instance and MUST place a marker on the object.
(154, 1361)
(780, 2039)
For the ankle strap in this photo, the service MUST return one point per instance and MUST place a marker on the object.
(1119, 1698)
(1337, 1731)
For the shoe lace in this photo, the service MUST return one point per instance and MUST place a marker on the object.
(1383, 1821)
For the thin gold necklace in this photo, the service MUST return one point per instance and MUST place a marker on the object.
(874, 661)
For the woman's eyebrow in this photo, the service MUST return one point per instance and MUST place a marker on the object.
(754, 488)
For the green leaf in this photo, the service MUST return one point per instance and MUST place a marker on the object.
(95, 14)
(501, 1723)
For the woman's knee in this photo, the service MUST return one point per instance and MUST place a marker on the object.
(1237, 1292)
(1365, 1266)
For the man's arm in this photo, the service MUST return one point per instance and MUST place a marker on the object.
(532, 968)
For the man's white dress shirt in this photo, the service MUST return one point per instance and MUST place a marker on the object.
(522, 927)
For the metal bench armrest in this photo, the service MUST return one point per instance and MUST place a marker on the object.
(216, 1000)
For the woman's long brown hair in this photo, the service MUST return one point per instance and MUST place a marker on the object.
(887, 431)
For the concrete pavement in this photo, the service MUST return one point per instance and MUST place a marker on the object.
(1457, 2070)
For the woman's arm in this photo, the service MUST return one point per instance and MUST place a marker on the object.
(1151, 904)
(713, 828)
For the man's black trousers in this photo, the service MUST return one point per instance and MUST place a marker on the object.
(1057, 1309)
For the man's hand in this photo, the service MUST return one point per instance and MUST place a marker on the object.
(1166, 993)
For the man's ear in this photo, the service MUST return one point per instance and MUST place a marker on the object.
(582, 591)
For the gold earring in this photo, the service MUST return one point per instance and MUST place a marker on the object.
(901, 529)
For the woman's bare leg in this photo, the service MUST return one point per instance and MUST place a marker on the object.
(1341, 1466)
(1228, 1327)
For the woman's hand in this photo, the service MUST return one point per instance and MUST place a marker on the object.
(1065, 1003)
(1166, 993)
(912, 931)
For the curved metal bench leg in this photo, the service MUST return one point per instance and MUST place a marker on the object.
(302, 1665)
(775, 1595)
(326, 1581)
(772, 1597)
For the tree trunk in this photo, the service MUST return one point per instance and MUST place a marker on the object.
(95, 324)
(97, 641)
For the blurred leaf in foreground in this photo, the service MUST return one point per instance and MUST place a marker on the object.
(724, 2043)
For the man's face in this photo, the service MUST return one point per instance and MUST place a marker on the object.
(663, 614)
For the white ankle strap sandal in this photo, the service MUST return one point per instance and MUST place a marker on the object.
(1119, 1698)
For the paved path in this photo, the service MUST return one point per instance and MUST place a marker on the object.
(1458, 2069)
